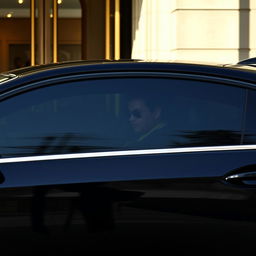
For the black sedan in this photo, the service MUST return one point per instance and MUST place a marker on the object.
(128, 157)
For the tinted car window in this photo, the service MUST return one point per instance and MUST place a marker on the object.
(121, 113)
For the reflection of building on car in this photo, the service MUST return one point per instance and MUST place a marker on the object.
(173, 144)
(95, 202)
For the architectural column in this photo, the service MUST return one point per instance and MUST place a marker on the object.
(151, 29)
(252, 31)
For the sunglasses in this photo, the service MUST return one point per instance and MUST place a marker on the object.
(136, 113)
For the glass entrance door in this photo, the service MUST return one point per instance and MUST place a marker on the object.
(44, 31)
(15, 34)
(38, 32)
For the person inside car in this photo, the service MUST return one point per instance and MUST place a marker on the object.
(147, 122)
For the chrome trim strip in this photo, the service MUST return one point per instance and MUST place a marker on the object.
(127, 153)
(7, 77)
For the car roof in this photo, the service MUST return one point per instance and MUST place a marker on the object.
(242, 72)
(124, 64)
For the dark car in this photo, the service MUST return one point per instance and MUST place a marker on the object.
(127, 158)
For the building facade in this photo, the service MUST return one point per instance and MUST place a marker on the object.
(44, 31)
(206, 30)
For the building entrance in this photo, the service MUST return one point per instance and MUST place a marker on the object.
(44, 31)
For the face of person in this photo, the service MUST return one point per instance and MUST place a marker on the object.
(142, 118)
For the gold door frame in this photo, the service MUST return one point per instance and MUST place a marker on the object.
(55, 31)
(116, 30)
(107, 31)
(33, 33)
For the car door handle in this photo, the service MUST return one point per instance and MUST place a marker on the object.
(244, 178)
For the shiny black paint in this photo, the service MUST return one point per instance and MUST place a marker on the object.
(128, 217)
(164, 204)
(133, 205)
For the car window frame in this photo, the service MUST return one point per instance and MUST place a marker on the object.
(123, 74)
(132, 74)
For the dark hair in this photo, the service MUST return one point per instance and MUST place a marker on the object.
(151, 100)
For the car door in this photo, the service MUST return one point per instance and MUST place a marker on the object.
(126, 162)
